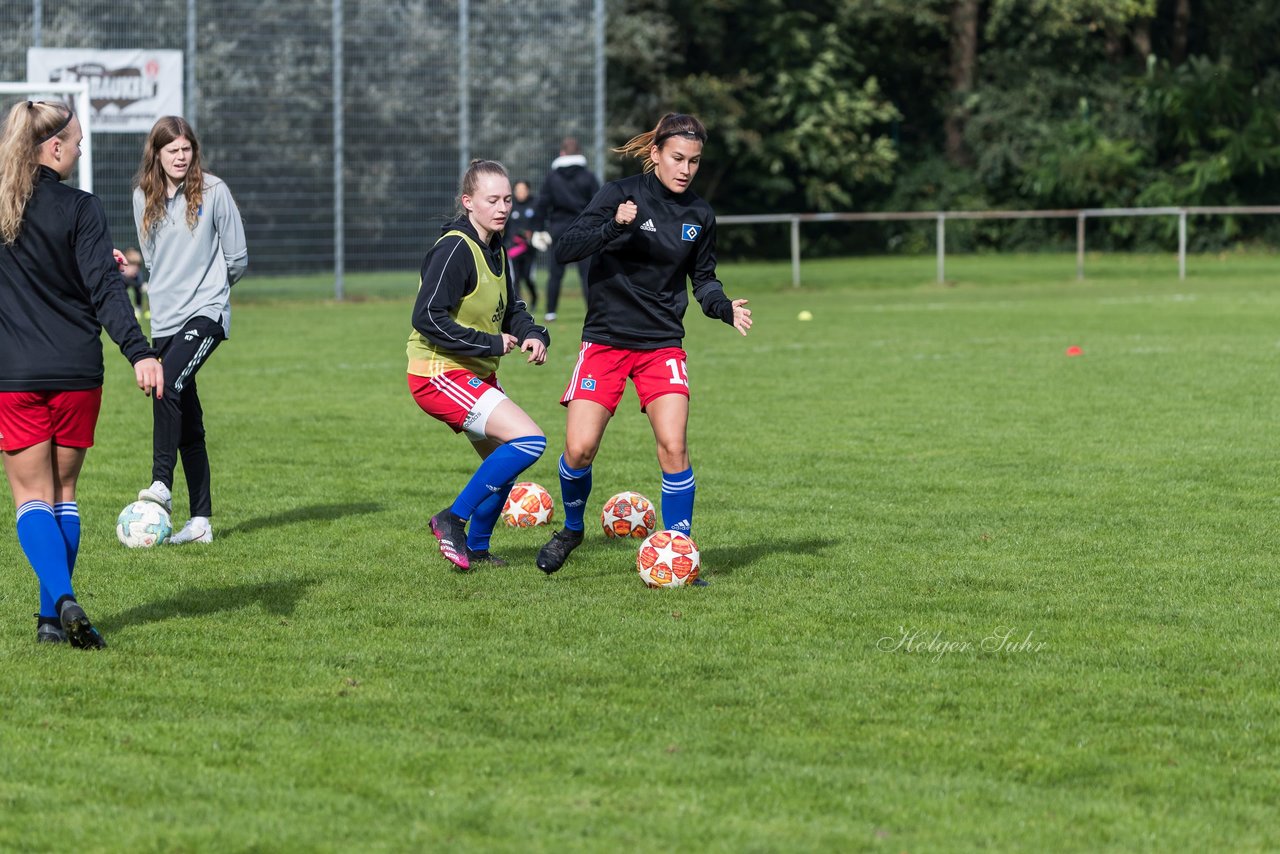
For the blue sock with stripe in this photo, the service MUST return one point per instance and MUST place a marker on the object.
(677, 501)
(499, 468)
(46, 551)
(67, 515)
(485, 517)
(575, 489)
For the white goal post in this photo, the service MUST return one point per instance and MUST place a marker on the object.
(37, 91)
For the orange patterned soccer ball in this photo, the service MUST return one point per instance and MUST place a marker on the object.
(528, 504)
(668, 559)
(628, 514)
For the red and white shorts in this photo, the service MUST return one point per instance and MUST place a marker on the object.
(459, 398)
(601, 375)
(69, 418)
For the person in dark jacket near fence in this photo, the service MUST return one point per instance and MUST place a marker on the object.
(466, 317)
(520, 251)
(59, 287)
(566, 191)
(648, 237)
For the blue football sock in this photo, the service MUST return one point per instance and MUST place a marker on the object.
(502, 466)
(67, 515)
(46, 551)
(677, 501)
(485, 517)
(575, 489)
(47, 608)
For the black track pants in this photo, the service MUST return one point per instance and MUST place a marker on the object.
(178, 419)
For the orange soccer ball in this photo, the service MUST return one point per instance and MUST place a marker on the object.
(628, 514)
(668, 559)
(528, 504)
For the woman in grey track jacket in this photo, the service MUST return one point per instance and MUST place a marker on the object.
(192, 240)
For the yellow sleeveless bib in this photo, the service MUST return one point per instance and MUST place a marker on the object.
(482, 309)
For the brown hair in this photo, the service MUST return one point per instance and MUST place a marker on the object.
(151, 179)
(29, 125)
(672, 124)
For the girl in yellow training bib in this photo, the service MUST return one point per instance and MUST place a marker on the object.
(466, 317)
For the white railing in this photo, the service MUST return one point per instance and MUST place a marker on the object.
(941, 218)
(81, 92)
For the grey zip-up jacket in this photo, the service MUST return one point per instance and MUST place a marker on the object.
(192, 270)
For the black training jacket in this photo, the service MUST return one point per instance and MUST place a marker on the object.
(448, 275)
(565, 192)
(59, 286)
(636, 286)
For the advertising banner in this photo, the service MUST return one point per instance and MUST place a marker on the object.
(128, 89)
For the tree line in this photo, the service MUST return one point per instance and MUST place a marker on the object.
(967, 104)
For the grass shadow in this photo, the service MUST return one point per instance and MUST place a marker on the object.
(279, 598)
(311, 513)
(725, 560)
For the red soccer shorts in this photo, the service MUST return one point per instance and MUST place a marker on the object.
(459, 398)
(69, 418)
(601, 375)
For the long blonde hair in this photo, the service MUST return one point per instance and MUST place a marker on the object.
(672, 124)
(29, 125)
(151, 180)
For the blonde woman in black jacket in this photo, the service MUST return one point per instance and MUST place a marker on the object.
(59, 286)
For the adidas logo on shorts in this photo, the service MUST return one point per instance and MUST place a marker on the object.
(648, 226)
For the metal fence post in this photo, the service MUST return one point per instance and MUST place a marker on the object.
(942, 248)
(1080, 246)
(464, 88)
(598, 160)
(339, 158)
(191, 108)
(795, 252)
(1182, 244)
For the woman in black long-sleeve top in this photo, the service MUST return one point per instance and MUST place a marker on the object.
(647, 236)
(59, 287)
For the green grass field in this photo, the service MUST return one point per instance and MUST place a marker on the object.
(967, 592)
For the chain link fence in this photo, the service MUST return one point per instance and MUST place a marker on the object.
(405, 95)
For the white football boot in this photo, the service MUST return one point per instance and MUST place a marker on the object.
(197, 530)
(157, 493)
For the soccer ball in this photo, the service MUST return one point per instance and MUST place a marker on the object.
(528, 504)
(628, 514)
(668, 559)
(143, 524)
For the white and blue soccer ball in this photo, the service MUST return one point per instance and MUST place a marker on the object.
(143, 524)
